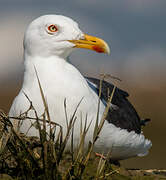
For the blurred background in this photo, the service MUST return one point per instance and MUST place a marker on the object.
(135, 30)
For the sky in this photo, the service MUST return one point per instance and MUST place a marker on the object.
(135, 31)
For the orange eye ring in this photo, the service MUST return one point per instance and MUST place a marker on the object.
(52, 28)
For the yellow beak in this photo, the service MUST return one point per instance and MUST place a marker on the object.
(92, 43)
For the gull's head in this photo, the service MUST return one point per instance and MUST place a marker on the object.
(56, 35)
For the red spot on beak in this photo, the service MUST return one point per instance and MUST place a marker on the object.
(98, 49)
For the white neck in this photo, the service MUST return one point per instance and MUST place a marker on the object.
(50, 70)
(45, 67)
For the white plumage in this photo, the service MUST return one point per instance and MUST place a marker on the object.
(48, 42)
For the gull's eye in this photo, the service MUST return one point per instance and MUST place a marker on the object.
(52, 28)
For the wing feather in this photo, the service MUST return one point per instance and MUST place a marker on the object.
(122, 113)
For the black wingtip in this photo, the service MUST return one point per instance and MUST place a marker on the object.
(143, 122)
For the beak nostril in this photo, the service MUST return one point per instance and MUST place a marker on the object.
(93, 41)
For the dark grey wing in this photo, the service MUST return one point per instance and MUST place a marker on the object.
(122, 114)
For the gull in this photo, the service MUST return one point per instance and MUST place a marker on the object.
(48, 42)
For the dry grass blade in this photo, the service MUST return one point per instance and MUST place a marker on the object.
(65, 107)
(102, 164)
(82, 140)
(105, 112)
(36, 117)
(72, 144)
(98, 109)
(99, 128)
(108, 174)
(106, 76)
(100, 167)
(31, 118)
(44, 103)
